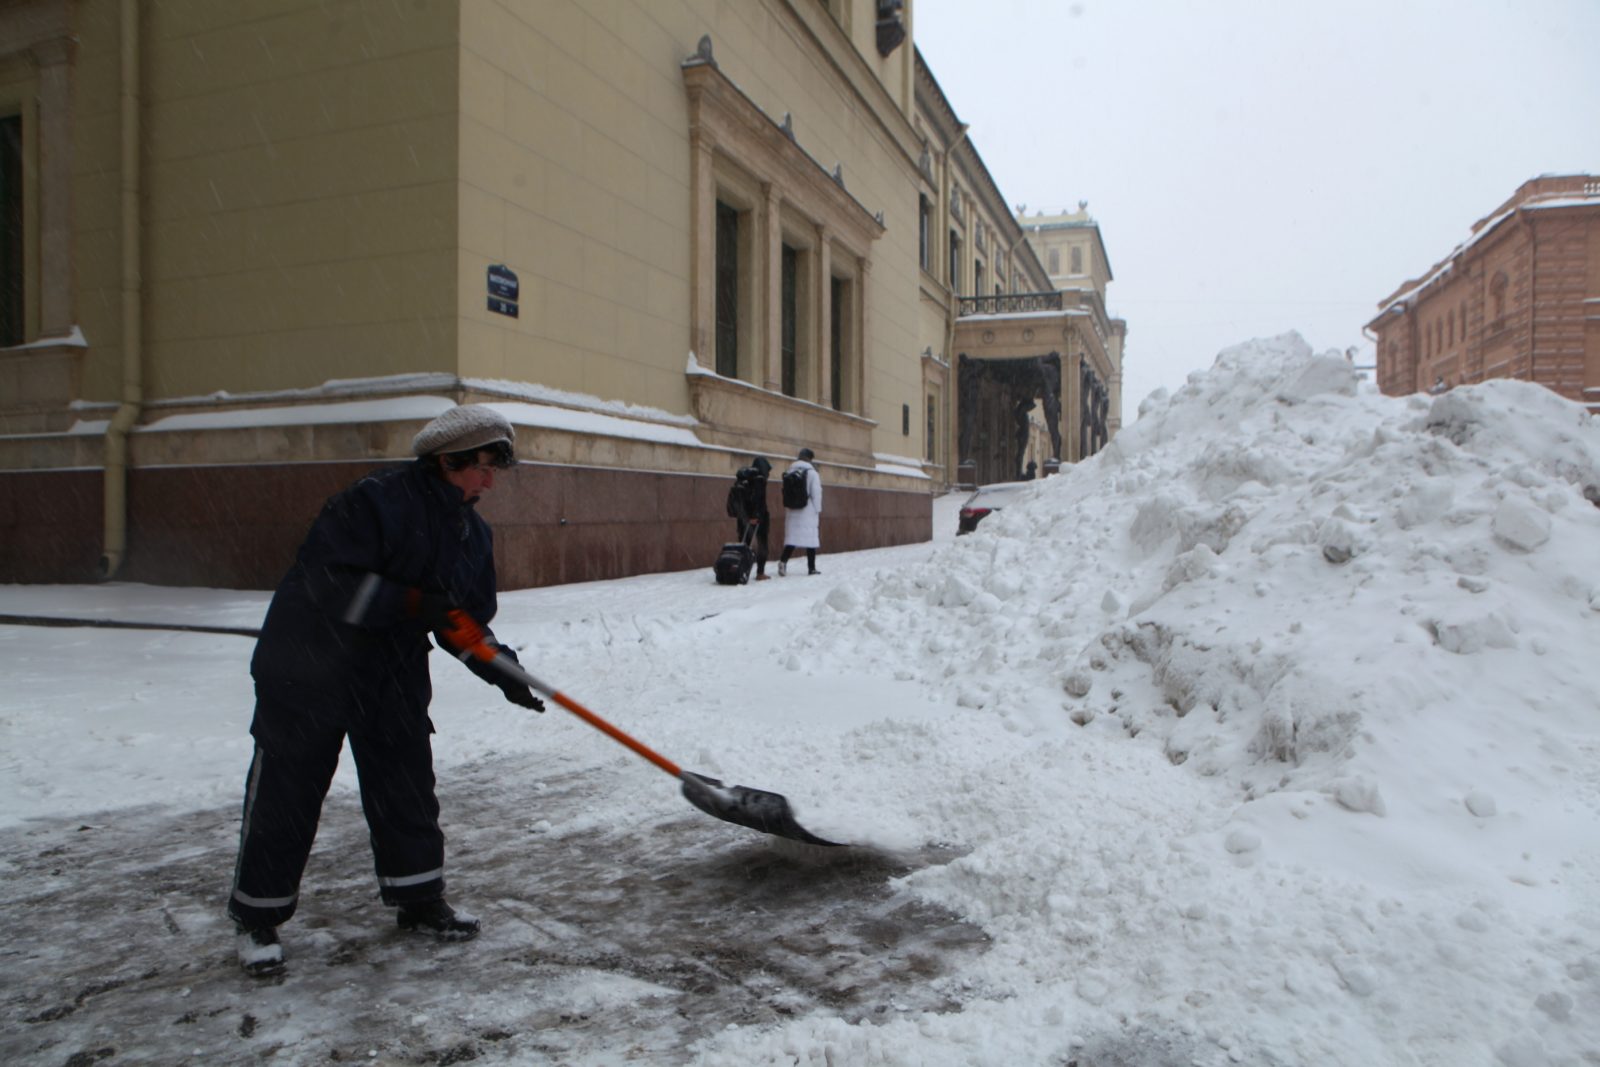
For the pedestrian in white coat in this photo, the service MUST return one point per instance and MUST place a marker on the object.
(802, 513)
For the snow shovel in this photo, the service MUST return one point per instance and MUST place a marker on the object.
(755, 808)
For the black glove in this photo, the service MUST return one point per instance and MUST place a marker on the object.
(521, 695)
(430, 609)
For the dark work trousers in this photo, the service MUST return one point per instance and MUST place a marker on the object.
(289, 777)
(761, 539)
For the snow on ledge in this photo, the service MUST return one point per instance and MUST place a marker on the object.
(75, 339)
(388, 410)
(989, 316)
(904, 466)
(411, 408)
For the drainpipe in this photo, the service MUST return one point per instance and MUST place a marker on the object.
(116, 472)
(1377, 373)
(952, 473)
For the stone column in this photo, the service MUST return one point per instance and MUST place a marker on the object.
(703, 249)
(823, 365)
(769, 294)
(1072, 401)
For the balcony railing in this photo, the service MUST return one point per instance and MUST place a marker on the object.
(1008, 304)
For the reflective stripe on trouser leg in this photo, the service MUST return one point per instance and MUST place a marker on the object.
(282, 804)
(411, 880)
(397, 794)
(252, 784)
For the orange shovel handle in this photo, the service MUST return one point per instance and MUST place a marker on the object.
(464, 633)
(606, 728)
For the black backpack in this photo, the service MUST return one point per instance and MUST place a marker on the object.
(796, 494)
(743, 493)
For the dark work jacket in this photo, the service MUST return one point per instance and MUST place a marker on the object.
(411, 529)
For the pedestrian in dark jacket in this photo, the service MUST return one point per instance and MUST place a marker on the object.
(753, 510)
(343, 653)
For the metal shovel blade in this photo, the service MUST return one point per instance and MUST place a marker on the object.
(755, 808)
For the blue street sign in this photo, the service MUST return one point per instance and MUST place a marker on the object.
(503, 282)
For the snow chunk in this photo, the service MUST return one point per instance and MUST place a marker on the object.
(1480, 804)
(1519, 525)
(956, 592)
(1241, 841)
(1359, 795)
(1424, 503)
(843, 598)
(1469, 635)
(1324, 374)
(1339, 540)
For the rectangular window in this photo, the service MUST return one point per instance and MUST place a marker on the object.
(1055, 261)
(11, 242)
(1077, 260)
(933, 425)
(769, 234)
(727, 291)
(790, 325)
(977, 277)
(905, 420)
(955, 262)
(924, 232)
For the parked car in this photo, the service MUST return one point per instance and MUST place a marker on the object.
(988, 498)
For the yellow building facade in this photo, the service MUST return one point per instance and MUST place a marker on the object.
(259, 244)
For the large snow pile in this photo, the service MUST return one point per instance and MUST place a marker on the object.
(1270, 735)
(1279, 738)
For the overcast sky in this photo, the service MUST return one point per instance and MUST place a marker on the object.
(1264, 165)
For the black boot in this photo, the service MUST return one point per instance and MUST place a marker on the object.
(260, 953)
(438, 918)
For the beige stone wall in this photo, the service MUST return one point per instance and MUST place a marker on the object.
(575, 157)
(324, 183)
(324, 187)
(299, 177)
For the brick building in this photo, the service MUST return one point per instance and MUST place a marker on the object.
(1519, 298)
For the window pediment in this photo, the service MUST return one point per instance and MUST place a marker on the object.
(722, 118)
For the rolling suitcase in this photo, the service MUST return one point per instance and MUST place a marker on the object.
(735, 560)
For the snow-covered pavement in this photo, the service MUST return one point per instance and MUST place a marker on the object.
(1267, 736)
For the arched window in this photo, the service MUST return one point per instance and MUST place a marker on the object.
(1497, 300)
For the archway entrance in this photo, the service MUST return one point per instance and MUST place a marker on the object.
(1002, 402)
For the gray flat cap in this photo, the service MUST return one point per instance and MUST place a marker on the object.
(461, 428)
